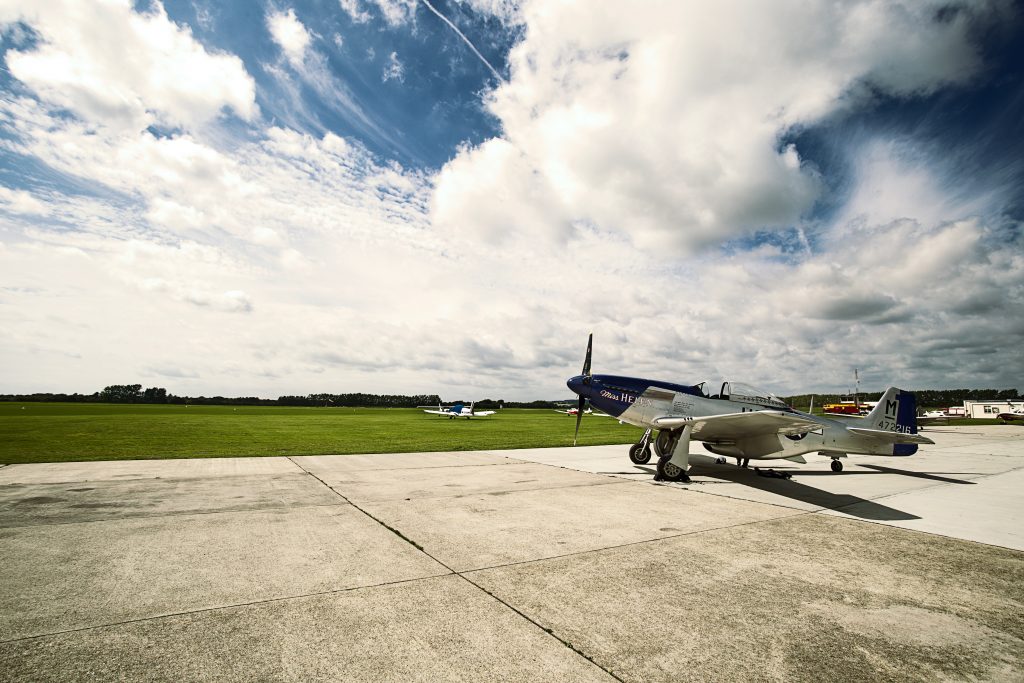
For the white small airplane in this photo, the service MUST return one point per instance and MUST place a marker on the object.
(740, 422)
(574, 411)
(931, 417)
(459, 410)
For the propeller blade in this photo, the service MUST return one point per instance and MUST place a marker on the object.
(586, 361)
(579, 416)
(581, 406)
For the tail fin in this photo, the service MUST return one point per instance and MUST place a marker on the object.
(895, 412)
(457, 408)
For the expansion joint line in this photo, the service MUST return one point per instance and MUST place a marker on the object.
(543, 628)
(462, 576)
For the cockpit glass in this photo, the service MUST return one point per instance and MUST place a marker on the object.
(738, 391)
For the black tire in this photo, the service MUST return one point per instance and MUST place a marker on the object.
(639, 456)
(837, 466)
(665, 442)
(669, 472)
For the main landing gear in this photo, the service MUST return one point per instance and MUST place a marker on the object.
(670, 472)
(640, 452)
(673, 447)
(837, 466)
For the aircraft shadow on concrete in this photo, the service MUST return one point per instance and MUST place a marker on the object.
(848, 504)
(907, 473)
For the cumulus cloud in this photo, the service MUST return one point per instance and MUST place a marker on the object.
(123, 69)
(289, 34)
(292, 260)
(663, 122)
(508, 11)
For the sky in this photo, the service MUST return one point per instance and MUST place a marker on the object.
(249, 197)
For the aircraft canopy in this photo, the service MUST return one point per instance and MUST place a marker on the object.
(738, 391)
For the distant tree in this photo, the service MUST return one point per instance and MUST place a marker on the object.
(155, 395)
(122, 393)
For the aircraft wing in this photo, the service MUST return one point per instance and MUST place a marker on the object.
(482, 413)
(438, 412)
(732, 426)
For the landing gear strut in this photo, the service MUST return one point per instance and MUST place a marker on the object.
(640, 452)
(673, 464)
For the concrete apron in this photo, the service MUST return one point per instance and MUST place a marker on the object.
(484, 566)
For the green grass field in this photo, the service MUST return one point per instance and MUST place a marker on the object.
(59, 432)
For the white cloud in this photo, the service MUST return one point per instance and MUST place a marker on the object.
(20, 201)
(394, 70)
(125, 70)
(355, 11)
(892, 182)
(396, 12)
(508, 11)
(292, 262)
(662, 122)
(311, 69)
(290, 35)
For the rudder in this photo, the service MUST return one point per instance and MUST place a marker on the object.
(896, 411)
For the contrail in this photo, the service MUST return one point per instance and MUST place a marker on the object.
(465, 39)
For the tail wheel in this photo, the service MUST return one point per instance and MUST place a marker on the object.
(639, 455)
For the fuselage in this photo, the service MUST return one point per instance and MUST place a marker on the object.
(640, 401)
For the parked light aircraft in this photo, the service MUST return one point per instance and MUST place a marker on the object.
(931, 417)
(459, 410)
(574, 411)
(1014, 414)
(740, 422)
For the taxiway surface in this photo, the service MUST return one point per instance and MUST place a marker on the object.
(553, 564)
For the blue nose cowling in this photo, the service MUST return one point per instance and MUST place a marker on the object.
(578, 386)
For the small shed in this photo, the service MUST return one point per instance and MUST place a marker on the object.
(990, 409)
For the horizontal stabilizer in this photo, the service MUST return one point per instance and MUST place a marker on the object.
(890, 437)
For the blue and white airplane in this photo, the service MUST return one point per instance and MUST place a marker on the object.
(459, 410)
(740, 422)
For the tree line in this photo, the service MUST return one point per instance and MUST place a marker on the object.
(926, 398)
(134, 393)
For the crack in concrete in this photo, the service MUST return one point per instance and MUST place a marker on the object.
(465, 578)
(182, 513)
(499, 492)
(169, 615)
